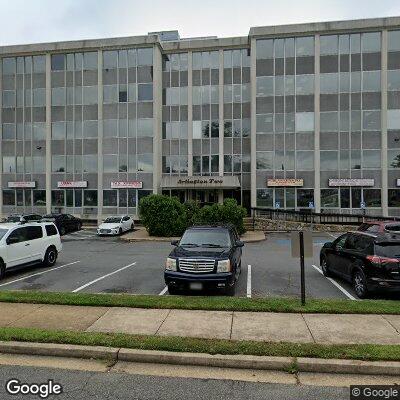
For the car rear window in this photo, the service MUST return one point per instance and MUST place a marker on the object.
(388, 250)
(393, 227)
(51, 230)
(34, 232)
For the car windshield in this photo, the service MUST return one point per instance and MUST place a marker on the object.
(206, 238)
(13, 218)
(2, 232)
(388, 250)
(112, 220)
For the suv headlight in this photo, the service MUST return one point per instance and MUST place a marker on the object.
(170, 264)
(224, 266)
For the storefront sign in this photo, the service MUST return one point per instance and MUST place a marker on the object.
(285, 182)
(192, 182)
(127, 185)
(22, 184)
(72, 184)
(351, 182)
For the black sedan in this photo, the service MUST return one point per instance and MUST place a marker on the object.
(205, 257)
(65, 222)
(371, 262)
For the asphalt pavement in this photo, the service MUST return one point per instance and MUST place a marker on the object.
(94, 264)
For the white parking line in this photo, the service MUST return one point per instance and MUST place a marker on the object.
(163, 291)
(249, 281)
(39, 273)
(344, 291)
(101, 278)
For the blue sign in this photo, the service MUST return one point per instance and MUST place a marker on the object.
(277, 204)
(311, 204)
(362, 204)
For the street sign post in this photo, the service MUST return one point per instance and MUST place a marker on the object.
(302, 247)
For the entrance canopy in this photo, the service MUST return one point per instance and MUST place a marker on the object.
(200, 182)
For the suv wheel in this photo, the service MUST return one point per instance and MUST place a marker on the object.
(172, 290)
(120, 231)
(324, 267)
(2, 270)
(50, 257)
(360, 284)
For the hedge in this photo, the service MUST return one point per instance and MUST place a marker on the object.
(166, 216)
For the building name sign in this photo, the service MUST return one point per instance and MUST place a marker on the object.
(127, 185)
(72, 184)
(22, 184)
(285, 182)
(351, 182)
(201, 181)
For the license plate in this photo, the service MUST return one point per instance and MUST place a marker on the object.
(196, 286)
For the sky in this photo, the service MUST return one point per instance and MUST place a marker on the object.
(35, 21)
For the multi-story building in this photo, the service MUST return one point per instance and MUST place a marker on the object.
(295, 116)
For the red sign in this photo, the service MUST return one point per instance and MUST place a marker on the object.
(127, 185)
(72, 184)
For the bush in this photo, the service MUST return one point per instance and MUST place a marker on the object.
(166, 216)
(162, 215)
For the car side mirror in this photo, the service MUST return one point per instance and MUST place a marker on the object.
(239, 243)
(12, 240)
(174, 242)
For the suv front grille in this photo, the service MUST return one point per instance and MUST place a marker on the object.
(196, 265)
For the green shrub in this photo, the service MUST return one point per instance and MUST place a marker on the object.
(166, 216)
(162, 215)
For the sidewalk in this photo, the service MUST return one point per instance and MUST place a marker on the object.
(140, 234)
(269, 327)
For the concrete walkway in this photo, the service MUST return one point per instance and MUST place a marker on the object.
(140, 235)
(269, 327)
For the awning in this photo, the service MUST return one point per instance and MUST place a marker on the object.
(200, 182)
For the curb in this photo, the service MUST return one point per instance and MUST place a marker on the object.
(200, 359)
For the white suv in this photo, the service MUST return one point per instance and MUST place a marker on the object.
(28, 243)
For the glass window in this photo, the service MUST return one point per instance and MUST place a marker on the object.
(39, 64)
(58, 62)
(110, 198)
(89, 162)
(372, 197)
(110, 128)
(110, 59)
(329, 83)
(58, 96)
(145, 127)
(305, 46)
(394, 194)
(329, 121)
(89, 95)
(39, 97)
(9, 98)
(304, 160)
(265, 160)
(371, 159)
(372, 120)
(394, 158)
(265, 87)
(305, 84)
(8, 131)
(145, 162)
(39, 197)
(393, 119)
(265, 48)
(329, 160)
(89, 129)
(328, 45)
(145, 92)
(90, 198)
(8, 66)
(110, 163)
(371, 81)
(265, 197)
(197, 129)
(145, 56)
(329, 198)
(393, 41)
(393, 80)
(58, 164)
(57, 198)
(90, 60)
(8, 164)
(305, 197)
(110, 94)
(304, 122)
(371, 42)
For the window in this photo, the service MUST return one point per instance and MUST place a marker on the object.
(329, 197)
(145, 92)
(305, 197)
(39, 197)
(110, 198)
(58, 164)
(90, 198)
(304, 122)
(57, 198)
(18, 235)
(145, 56)
(57, 62)
(34, 232)
(304, 160)
(90, 60)
(8, 197)
(90, 163)
(51, 230)
(265, 197)
(8, 164)
(145, 127)
(305, 84)
(329, 160)
(89, 95)
(304, 46)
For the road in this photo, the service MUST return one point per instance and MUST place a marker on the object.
(108, 265)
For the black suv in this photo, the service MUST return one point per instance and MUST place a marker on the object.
(205, 257)
(371, 262)
(64, 222)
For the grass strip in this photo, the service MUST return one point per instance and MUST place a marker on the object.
(370, 352)
(215, 303)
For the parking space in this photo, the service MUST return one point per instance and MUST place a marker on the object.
(109, 265)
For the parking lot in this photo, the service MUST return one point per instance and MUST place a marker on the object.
(109, 265)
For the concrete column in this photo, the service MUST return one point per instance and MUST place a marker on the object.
(221, 114)
(100, 136)
(317, 175)
(190, 115)
(1, 135)
(384, 158)
(48, 133)
(157, 118)
(253, 136)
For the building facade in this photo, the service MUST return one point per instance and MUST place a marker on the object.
(291, 117)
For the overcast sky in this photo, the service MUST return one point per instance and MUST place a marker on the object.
(24, 21)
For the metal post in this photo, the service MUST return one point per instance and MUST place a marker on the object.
(302, 277)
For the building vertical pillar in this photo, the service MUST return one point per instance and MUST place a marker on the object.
(190, 114)
(157, 118)
(1, 136)
(221, 121)
(384, 141)
(317, 161)
(100, 136)
(48, 133)
(253, 121)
